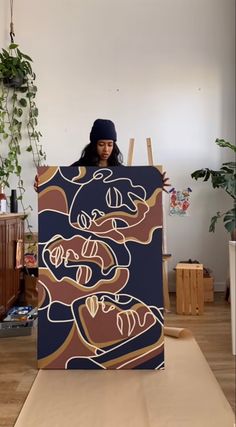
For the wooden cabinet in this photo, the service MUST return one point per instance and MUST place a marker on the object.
(11, 238)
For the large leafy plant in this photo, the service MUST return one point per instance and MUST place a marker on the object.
(224, 178)
(18, 117)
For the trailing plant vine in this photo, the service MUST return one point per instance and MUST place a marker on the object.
(18, 118)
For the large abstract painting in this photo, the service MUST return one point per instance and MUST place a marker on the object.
(100, 268)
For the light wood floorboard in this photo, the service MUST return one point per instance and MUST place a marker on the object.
(211, 330)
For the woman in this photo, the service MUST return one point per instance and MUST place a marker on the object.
(102, 150)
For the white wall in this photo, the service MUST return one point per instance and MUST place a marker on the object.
(163, 69)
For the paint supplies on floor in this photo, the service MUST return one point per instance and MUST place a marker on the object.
(18, 321)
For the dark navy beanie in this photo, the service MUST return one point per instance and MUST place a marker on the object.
(103, 129)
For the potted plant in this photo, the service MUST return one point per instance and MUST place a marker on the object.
(18, 117)
(224, 178)
(15, 67)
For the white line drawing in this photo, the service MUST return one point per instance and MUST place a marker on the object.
(128, 318)
(141, 355)
(50, 178)
(113, 199)
(58, 256)
(161, 366)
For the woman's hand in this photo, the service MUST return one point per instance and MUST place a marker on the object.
(36, 183)
(165, 182)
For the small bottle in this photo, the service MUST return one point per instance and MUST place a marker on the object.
(13, 202)
(3, 200)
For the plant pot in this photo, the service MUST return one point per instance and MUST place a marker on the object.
(232, 273)
(13, 82)
(233, 235)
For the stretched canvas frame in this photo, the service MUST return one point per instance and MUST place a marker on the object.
(100, 268)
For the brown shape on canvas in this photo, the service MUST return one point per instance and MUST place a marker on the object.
(54, 198)
(67, 290)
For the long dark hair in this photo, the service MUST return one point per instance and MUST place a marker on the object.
(89, 156)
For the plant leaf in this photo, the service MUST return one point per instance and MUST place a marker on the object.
(13, 46)
(214, 220)
(23, 102)
(223, 143)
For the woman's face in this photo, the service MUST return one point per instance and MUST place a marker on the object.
(104, 148)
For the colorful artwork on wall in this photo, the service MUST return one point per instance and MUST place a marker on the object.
(100, 268)
(31, 250)
(180, 201)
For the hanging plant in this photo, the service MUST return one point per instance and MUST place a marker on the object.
(18, 117)
(15, 67)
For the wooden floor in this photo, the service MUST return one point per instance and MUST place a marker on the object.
(211, 330)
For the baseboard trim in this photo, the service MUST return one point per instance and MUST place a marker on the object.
(219, 287)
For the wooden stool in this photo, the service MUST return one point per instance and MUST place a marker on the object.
(189, 289)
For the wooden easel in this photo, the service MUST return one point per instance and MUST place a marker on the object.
(165, 256)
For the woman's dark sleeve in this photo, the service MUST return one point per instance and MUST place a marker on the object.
(77, 163)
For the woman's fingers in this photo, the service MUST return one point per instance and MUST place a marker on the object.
(165, 182)
(36, 183)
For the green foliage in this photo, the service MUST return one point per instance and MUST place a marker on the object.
(18, 116)
(225, 178)
(14, 63)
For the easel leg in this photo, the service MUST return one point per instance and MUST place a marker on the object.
(164, 262)
(166, 296)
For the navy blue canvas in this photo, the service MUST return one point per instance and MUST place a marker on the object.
(100, 276)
